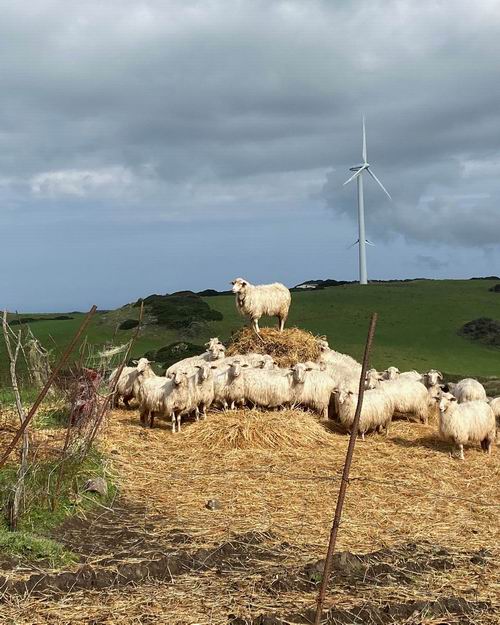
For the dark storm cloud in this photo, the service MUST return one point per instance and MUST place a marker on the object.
(121, 112)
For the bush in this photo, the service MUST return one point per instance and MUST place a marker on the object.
(483, 330)
(495, 289)
(128, 324)
(180, 310)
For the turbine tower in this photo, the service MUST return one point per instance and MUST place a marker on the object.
(358, 173)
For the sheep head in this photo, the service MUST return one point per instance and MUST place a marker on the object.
(239, 285)
(299, 373)
(142, 365)
(445, 400)
(391, 373)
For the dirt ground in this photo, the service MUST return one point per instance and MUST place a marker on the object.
(214, 534)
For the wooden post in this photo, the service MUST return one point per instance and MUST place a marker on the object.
(345, 476)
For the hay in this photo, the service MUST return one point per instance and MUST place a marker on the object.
(287, 348)
(285, 430)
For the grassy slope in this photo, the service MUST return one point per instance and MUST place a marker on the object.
(418, 323)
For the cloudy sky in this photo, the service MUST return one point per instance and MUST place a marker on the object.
(162, 145)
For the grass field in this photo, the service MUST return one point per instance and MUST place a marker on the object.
(418, 323)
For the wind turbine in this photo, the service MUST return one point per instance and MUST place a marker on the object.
(358, 173)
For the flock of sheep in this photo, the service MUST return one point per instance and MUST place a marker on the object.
(328, 386)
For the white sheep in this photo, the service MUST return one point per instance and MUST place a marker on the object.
(495, 406)
(216, 351)
(125, 386)
(255, 301)
(433, 377)
(312, 389)
(469, 389)
(268, 389)
(229, 385)
(469, 422)
(257, 361)
(410, 397)
(391, 373)
(376, 412)
(373, 379)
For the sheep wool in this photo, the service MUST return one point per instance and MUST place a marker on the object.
(255, 301)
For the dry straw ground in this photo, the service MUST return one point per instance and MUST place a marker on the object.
(278, 473)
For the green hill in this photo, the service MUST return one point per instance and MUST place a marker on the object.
(418, 324)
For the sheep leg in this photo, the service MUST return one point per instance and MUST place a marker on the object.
(461, 452)
(179, 422)
(126, 401)
(232, 405)
(255, 325)
(173, 422)
(362, 436)
(197, 413)
(281, 323)
(151, 419)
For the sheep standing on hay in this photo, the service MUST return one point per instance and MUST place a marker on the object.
(255, 301)
(468, 422)
(469, 390)
(229, 385)
(376, 412)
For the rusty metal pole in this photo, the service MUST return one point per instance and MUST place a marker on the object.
(345, 475)
(48, 384)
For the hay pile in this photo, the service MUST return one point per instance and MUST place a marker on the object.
(284, 430)
(287, 348)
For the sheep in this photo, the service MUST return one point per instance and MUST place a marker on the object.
(469, 389)
(216, 351)
(433, 377)
(409, 397)
(124, 388)
(376, 412)
(495, 406)
(268, 389)
(373, 379)
(201, 390)
(254, 301)
(258, 361)
(312, 389)
(469, 422)
(331, 357)
(391, 373)
(229, 386)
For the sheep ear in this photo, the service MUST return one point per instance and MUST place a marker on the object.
(197, 366)
(309, 369)
(453, 399)
(135, 362)
(350, 393)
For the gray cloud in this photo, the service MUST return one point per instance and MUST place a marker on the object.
(126, 114)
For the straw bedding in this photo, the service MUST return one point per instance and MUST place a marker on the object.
(404, 489)
(284, 430)
(289, 347)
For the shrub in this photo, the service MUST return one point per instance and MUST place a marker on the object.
(180, 310)
(128, 324)
(483, 330)
(495, 289)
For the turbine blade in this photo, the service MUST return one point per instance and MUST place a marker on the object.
(355, 174)
(379, 183)
(364, 141)
(368, 242)
(355, 243)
